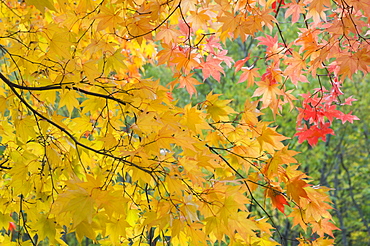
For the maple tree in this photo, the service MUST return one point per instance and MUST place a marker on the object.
(90, 147)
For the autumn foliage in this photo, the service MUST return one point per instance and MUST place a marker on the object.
(93, 148)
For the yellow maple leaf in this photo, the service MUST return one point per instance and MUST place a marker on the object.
(42, 4)
(117, 228)
(68, 98)
(218, 109)
(45, 227)
(269, 136)
(194, 119)
(60, 45)
(108, 18)
(109, 141)
(25, 128)
(77, 202)
(85, 229)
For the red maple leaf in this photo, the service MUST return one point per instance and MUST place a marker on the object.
(349, 101)
(314, 133)
(12, 226)
(276, 4)
(349, 117)
(277, 199)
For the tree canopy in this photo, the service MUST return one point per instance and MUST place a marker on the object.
(90, 147)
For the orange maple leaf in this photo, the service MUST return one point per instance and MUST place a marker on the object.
(249, 74)
(294, 9)
(185, 60)
(269, 92)
(230, 22)
(298, 218)
(168, 51)
(324, 226)
(198, 19)
(267, 18)
(168, 35)
(188, 82)
(348, 65)
(296, 67)
(295, 188)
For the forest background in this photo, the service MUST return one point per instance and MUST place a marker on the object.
(87, 119)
